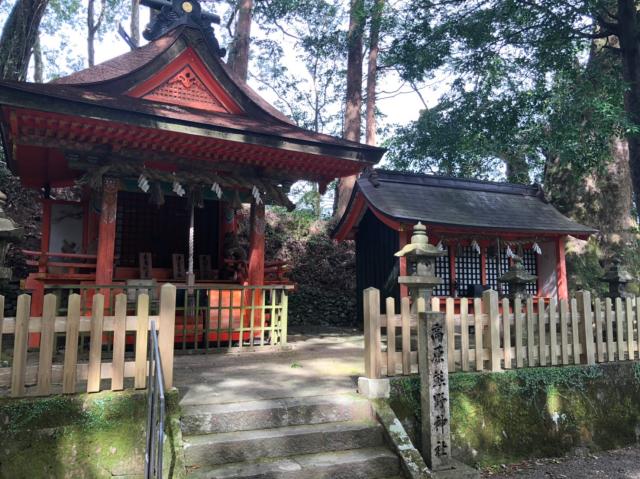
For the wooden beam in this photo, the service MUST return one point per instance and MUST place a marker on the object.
(256, 245)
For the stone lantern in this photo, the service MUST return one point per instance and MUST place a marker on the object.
(517, 278)
(9, 233)
(421, 266)
(618, 278)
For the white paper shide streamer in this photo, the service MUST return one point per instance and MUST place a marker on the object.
(256, 195)
(475, 246)
(217, 190)
(178, 189)
(536, 248)
(510, 252)
(143, 183)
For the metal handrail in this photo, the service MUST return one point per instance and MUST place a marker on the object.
(155, 411)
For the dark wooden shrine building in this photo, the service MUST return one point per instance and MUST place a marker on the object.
(479, 224)
(165, 144)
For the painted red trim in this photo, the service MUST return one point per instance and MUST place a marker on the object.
(483, 265)
(187, 59)
(256, 245)
(561, 269)
(107, 232)
(354, 214)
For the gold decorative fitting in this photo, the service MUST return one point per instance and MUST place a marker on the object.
(187, 7)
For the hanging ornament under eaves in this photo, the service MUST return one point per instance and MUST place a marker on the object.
(178, 189)
(475, 246)
(256, 195)
(536, 248)
(510, 252)
(440, 246)
(143, 183)
(215, 187)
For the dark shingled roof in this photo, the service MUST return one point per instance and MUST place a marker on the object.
(461, 203)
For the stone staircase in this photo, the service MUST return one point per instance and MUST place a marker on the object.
(298, 438)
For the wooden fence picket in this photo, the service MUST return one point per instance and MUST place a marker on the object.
(608, 310)
(405, 314)
(451, 332)
(95, 345)
(20, 346)
(553, 331)
(517, 317)
(478, 326)
(542, 344)
(506, 335)
(47, 338)
(142, 312)
(619, 329)
(464, 334)
(391, 336)
(119, 336)
(631, 350)
(600, 346)
(530, 334)
(69, 378)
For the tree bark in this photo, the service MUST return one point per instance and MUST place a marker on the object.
(38, 66)
(353, 107)
(18, 38)
(627, 32)
(372, 71)
(239, 52)
(93, 26)
(135, 22)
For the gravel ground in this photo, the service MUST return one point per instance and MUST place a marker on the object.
(617, 464)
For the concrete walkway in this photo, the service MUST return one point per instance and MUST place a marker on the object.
(327, 363)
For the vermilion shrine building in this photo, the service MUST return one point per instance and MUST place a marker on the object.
(477, 223)
(146, 135)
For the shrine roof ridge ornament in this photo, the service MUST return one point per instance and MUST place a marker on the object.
(175, 13)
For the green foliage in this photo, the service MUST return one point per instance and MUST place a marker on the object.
(323, 270)
(528, 85)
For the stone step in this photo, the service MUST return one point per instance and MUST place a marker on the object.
(246, 416)
(369, 463)
(239, 446)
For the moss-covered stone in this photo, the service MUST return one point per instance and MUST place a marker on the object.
(83, 436)
(537, 412)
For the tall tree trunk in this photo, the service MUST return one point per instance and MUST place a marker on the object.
(628, 32)
(38, 66)
(93, 26)
(18, 37)
(135, 22)
(239, 52)
(91, 33)
(372, 71)
(352, 128)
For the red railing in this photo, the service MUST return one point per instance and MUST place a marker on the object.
(52, 265)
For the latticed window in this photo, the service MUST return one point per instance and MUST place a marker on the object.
(468, 269)
(493, 273)
(530, 262)
(443, 270)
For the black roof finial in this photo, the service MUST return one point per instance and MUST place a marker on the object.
(174, 13)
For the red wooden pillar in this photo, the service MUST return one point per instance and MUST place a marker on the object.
(38, 288)
(107, 231)
(561, 269)
(256, 246)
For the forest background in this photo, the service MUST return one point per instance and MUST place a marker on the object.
(544, 91)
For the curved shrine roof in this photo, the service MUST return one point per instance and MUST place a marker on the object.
(454, 203)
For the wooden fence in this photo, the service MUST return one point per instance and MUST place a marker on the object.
(486, 334)
(42, 371)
